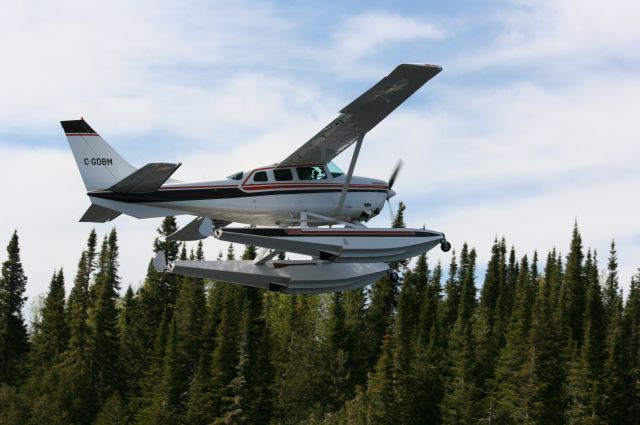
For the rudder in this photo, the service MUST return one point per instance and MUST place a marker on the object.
(100, 165)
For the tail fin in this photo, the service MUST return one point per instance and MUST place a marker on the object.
(100, 165)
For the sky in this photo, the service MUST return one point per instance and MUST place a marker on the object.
(531, 126)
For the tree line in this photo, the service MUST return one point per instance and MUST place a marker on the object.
(557, 345)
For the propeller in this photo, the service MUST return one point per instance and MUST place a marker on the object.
(396, 170)
(391, 193)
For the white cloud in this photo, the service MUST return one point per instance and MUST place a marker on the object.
(563, 35)
(366, 35)
(363, 34)
(227, 87)
(124, 61)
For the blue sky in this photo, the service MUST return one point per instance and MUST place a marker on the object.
(531, 125)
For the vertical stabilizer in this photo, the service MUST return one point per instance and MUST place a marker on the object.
(100, 165)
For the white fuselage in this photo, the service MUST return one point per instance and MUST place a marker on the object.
(259, 197)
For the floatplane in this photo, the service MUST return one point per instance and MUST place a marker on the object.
(304, 204)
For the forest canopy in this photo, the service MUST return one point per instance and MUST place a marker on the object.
(521, 344)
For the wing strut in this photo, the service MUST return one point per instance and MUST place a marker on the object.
(347, 181)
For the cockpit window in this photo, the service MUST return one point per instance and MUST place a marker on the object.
(236, 176)
(334, 170)
(260, 176)
(311, 173)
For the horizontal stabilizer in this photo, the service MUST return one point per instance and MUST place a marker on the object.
(98, 214)
(147, 179)
(135, 210)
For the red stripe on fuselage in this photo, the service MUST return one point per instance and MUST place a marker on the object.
(252, 187)
(198, 187)
(257, 187)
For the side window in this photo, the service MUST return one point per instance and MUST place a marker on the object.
(311, 173)
(283, 174)
(260, 176)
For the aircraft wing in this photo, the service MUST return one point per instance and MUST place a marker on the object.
(362, 114)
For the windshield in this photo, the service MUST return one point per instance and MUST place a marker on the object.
(236, 176)
(334, 170)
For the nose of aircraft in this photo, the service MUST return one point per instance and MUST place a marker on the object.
(391, 193)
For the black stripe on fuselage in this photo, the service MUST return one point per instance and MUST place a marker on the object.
(176, 195)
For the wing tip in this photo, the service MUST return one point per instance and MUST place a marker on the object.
(422, 66)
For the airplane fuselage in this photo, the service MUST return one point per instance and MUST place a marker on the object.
(265, 196)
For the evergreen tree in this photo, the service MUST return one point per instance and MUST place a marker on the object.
(428, 379)
(493, 283)
(113, 412)
(462, 396)
(338, 351)
(574, 288)
(585, 372)
(595, 325)
(67, 387)
(611, 292)
(150, 407)
(508, 272)
(130, 346)
(545, 352)
(404, 333)
(198, 405)
(181, 350)
(384, 294)
(104, 321)
(249, 253)
(225, 353)
(490, 323)
(300, 384)
(78, 304)
(160, 289)
(154, 302)
(631, 338)
(535, 276)
(449, 311)
(431, 299)
(13, 331)
(416, 289)
(235, 398)
(183, 347)
(51, 333)
(92, 246)
(512, 396)
(231, 252)
(613, 375)
(578, 389)
(355, 327)
(381, 390)
(255, 360)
